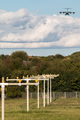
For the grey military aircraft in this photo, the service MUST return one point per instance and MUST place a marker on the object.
(67, 12)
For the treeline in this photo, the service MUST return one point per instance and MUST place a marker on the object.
(19, 64)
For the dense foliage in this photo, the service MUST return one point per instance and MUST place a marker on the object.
(68, 68)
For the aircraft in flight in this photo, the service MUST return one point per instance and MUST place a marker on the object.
(67, 12)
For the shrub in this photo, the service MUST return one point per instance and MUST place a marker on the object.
(13, 92)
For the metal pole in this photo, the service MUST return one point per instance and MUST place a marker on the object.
(38, 95)
(44, 95)
(76, 94)
(3, 87)
(3, 95)
(50, 89)
(48, 92)
(27, 97)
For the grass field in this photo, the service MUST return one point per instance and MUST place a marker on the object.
(59, 109)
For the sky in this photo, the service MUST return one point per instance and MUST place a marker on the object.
(35, 26)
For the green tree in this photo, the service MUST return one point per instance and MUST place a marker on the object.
(6, 67)
(20, 54)
(17, 62)
(13, 92)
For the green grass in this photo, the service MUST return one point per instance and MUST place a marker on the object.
(60, 109)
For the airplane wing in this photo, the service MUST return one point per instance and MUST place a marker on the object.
(71, 12)
(62, 12)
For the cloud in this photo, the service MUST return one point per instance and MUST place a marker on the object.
(22, 29)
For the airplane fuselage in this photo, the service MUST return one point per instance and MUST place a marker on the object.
(67, 13)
